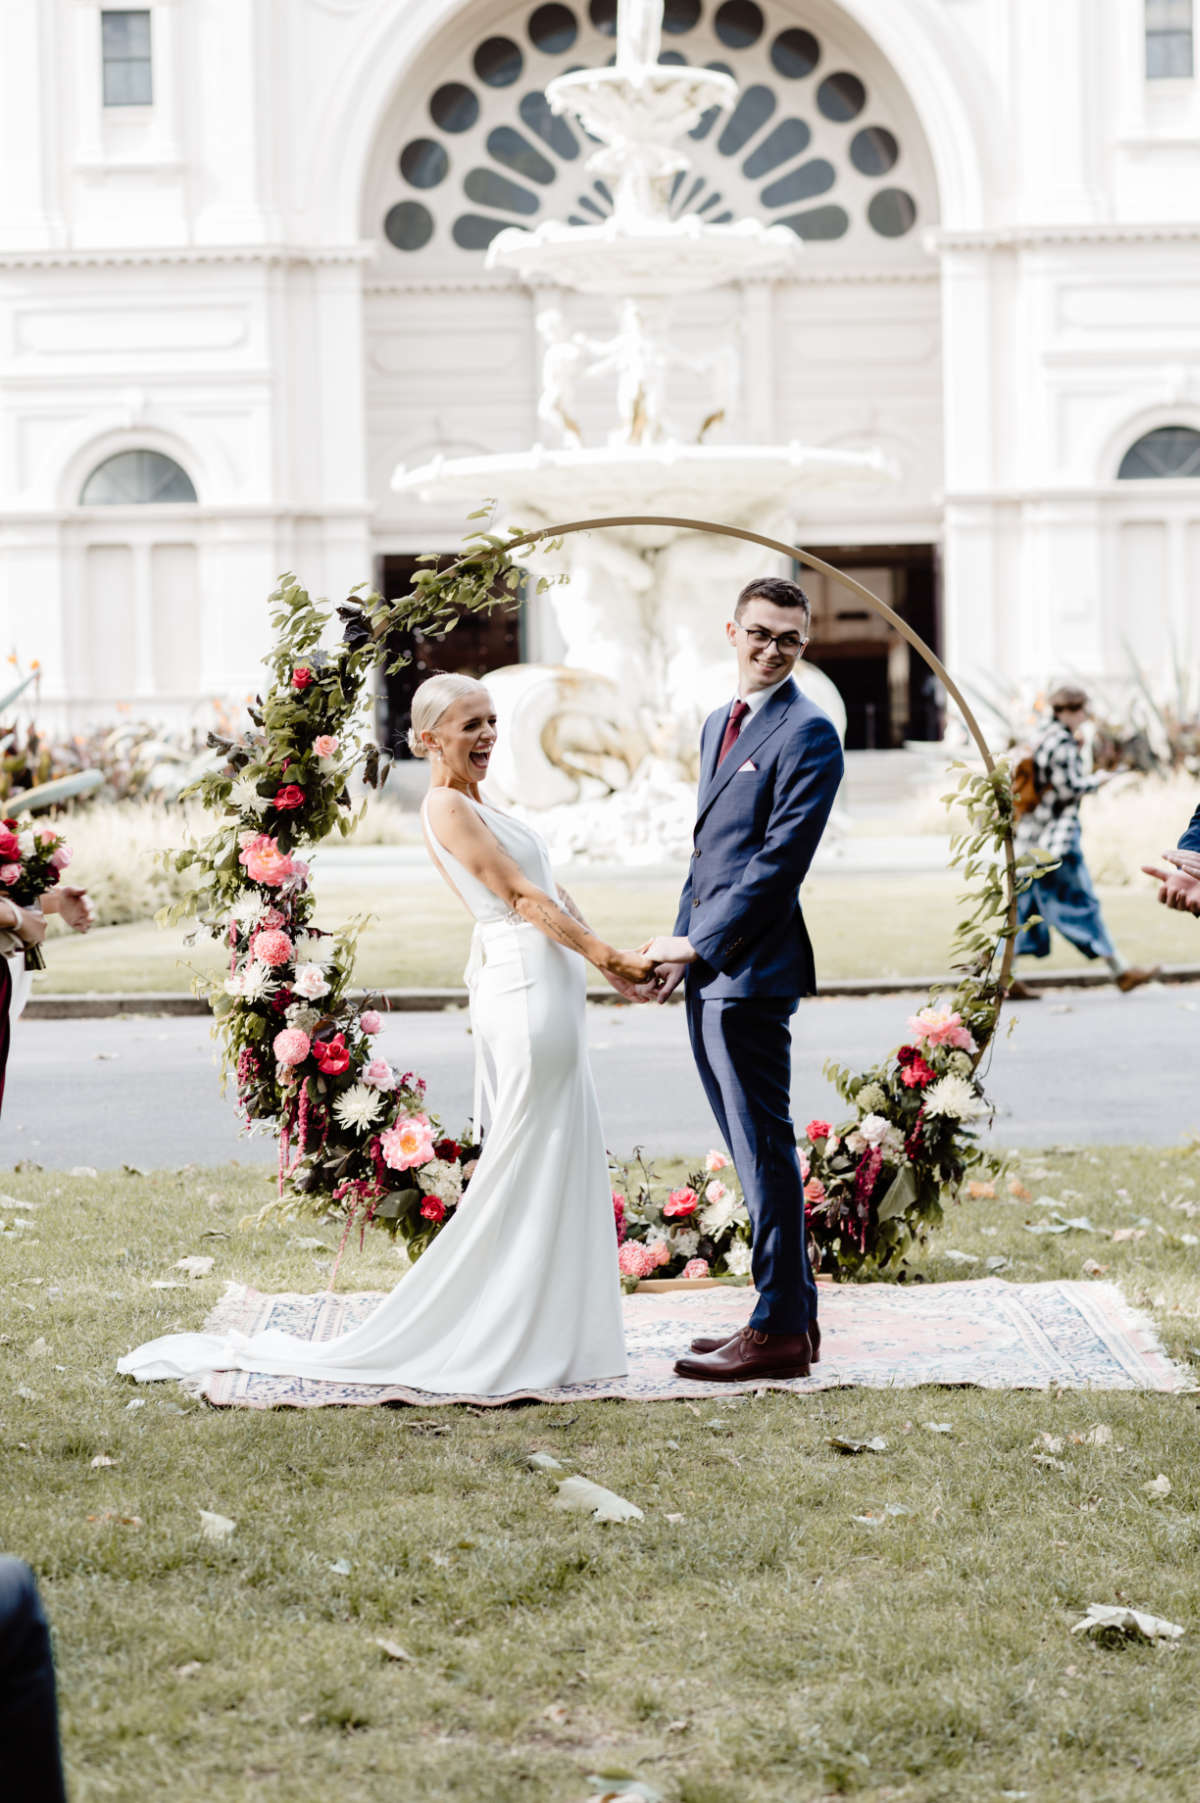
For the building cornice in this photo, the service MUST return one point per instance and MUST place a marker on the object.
(148, 256)
(1040, 237)
(826, 274)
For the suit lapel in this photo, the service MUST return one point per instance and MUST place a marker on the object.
(756, 731)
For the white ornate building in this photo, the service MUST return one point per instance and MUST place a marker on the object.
(242, 278)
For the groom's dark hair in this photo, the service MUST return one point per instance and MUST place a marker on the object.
(778, 591)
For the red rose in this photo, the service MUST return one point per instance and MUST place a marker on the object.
(680, 1204)
(817, 1130)
(10, 823)
(918, 1072)
(332, 1055)
(302, 677)
(290, 796)
(447, 1149)
(906, 1054)
(433, 1209)
(10, 850)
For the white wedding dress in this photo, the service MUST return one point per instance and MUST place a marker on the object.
(520, 1290)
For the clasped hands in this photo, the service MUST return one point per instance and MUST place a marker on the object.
(1181, 886)
(654, 971)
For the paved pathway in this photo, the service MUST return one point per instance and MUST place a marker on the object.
(1080, 1067)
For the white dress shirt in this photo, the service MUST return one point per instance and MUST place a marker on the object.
(759, 697)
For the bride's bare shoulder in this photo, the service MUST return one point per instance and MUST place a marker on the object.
(449, 810)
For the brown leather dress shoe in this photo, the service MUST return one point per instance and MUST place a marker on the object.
(706, 1342)
(748, 1355)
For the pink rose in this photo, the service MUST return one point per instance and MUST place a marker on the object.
(818, 1130)
(433, 1209)
(370, 1021)
(10, 874)
(408, 1142)
(379, 1074)
(288, 797)
(660, 1252)
(695, 1267)
(272, 947)
(814, 1190)
(291, 1046)
(618, 1202)
(262, 860)
(716, 1161)
(679, 1204)
(301, 677)
(46, 835)
(325, 745)
(10, 845)
(61, 858)
(941, 1026)
(716, 1191)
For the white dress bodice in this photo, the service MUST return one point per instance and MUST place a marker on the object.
(523, 845)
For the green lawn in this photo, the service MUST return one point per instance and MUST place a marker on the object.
(746, 1643)
(861, 927)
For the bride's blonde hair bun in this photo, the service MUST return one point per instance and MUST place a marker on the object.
(430, 702)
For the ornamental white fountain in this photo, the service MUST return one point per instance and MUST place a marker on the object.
(641, 610)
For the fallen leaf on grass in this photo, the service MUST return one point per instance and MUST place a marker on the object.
(1049, 1442)
(558, 1713)
(1017, 1188)
(996, 1263)
(1110, 1624)
(938, 1427)
(194, 1265)
(1128, 1233)
(310, 1244)
(673, 1517)
(622, 1790)
(341, 1568)
(543, 1461)
(1158, 1486)
(215, 1527)
(101, 1460)
(878, 1444)
(139, 1402)
(1047, 1460)
(393, 1651)
(125, 1521)
(876, 1517)
(166, 1283)
(1100, 1435)
(586, 1498)
(1092, 1269)
(189, 1670)
(980, 1192)
(39, 1349)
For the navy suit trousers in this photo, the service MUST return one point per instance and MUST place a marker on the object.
(30, 1766)
(743, 1051)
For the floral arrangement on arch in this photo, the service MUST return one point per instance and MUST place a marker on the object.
(356, 1137)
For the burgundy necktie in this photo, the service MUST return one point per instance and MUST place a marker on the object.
(737, 714)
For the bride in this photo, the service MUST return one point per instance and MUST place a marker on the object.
(520, 1290)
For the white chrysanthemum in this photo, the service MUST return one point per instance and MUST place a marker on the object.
(300, 1015)
(233, 984)
(250, 910)
(870, 1099)
(258, 981)
(716, 1216)
(357, 1107)
(737, 1258)
(685, 1242)
(874, 1128)
(312, 949)
(309, 982)
(246, 798)
(955, 1098)
(439, 1178)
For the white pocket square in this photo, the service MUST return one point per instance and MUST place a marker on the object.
(748, 765)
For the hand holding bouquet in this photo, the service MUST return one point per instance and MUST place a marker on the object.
(31, 862)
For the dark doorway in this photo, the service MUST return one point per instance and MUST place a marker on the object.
(479, 643)
(890, 693)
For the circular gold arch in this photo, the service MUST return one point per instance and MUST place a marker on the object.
(864, 594)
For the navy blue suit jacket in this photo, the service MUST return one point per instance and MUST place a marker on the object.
(756, 832)
(1191, 839)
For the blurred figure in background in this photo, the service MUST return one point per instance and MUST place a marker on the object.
(1065, 897)
(30, 1760)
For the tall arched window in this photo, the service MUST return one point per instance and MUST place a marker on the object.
(135, 478)
(1167, 453)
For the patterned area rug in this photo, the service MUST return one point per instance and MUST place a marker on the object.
(996, 1335)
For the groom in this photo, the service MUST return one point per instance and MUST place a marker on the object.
(770, 765)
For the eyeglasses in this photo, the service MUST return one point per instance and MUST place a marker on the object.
(790, 643)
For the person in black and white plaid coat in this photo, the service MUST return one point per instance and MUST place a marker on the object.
(1065, 897)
